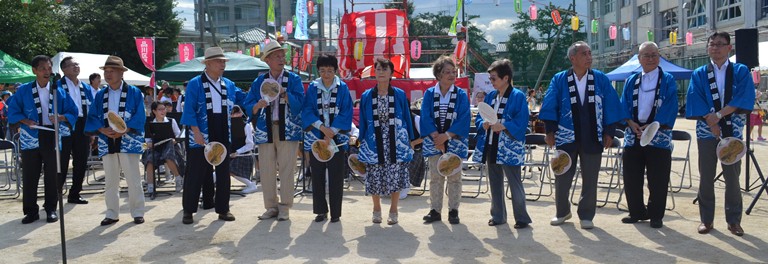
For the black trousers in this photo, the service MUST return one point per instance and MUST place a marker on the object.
(78, 145)
(200, 174)
(336, 170)
(656, 163)
(34, 161)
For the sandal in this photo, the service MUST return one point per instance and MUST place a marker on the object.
(493, 223)
(392, 219)
(376, 217)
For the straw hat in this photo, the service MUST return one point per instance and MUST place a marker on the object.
(271, 47)
(214, 53)
(114, 62)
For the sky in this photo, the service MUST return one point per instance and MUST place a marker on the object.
(494, 21)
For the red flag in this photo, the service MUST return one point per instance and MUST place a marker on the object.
(146, 48)
(186, 52)
(152, 81)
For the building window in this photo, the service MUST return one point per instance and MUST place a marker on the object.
(764, 8)
(697, 13)
(644, 9)
(669, 22)
(238, 13)
(728, 9)
(608, 41)
(595, 8)
(625, 3)
(607, 7)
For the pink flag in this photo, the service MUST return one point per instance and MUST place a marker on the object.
(152, 81)
(146, 48)
(186, 52)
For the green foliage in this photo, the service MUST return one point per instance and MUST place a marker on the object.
(31, 30)
(109, 27)
(521, 46)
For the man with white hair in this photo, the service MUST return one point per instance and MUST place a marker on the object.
(580, 110)
(649, 96)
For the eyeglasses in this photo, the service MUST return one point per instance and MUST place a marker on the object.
(718, 45)
(326, 71)
(649, 56)
(160, 109)
(453, 72)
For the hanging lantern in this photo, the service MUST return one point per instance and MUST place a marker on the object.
(594, 26)
(673, 37)
(288, 53)
(358, 54)
(612, 32)
(534, 12)
(283, 31)
(460, 51)
(295, 60)
(239, 51)
(756, 75)
(556, 17)
(625, 33)
(416, 49)
(575, 23)
(295, 20)
(256, 50)
(266, 41)
(518, 6)
(309, 51)
(689, 38)
(311, 7)
(650, 35)
(289, 27)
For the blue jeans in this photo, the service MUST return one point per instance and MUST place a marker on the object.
(496, 174)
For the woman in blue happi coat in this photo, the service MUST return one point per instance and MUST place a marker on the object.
(385, 135)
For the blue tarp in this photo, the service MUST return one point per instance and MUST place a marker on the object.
(633, 66)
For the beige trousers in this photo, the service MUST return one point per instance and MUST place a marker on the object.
(273, 157)
(437, 187)
(129, 165)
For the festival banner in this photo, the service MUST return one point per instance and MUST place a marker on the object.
(186, 52)
(452, 30)
(146, 48)
(301, 17)
(271, 13)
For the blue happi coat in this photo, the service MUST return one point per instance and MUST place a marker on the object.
(342, 120)
(87, 90)
(557, 107)
(195, 110)
(295, 91)
(131, 142)
(21, 105)
(403, 128)
(459, 125)
(511, 148)
(699, 100)
(666, 113)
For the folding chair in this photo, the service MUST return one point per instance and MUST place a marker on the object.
(9, 165)
(475, 171)
(682, 136)
(532, 142)
(612, 164)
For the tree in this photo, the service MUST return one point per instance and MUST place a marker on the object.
(109, 27)
(31, 30)
(529, 61)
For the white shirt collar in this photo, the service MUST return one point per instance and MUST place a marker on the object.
(725, 65)
(321, 85)
(46, 85)
(112, 90)
(440, 92)
(269, 73)
(211, 79)
(71, 83)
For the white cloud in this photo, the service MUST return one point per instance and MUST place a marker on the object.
(188, 4)
(496, 30)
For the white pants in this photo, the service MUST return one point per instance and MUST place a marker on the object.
(129, 165)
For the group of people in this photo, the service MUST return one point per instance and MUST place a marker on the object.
(581, 112)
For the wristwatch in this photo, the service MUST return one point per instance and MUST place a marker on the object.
(719, 116)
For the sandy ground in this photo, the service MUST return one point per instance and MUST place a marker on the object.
(164, 239)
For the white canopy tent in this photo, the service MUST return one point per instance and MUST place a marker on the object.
(90, 63)
(762, 58)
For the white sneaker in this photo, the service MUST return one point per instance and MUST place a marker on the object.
(404, 193)
(587, 224)
(556, 221)
(250, 189)
(179, 183)
(150, 188)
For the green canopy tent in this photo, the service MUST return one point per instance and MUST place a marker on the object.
(240, 68)
(13, 70)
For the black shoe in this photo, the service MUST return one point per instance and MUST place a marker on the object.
(109, 221)
(632, 219)
(657, 223)
(453, 217)
(334, 219)
(320, 217)
(432, 216)
(30, 218)
(77, 200)
(51, 217)
(227, 217)
(187, 218)
(138, 220)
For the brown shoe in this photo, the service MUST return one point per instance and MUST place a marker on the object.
(736, 229)
(705, 228)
